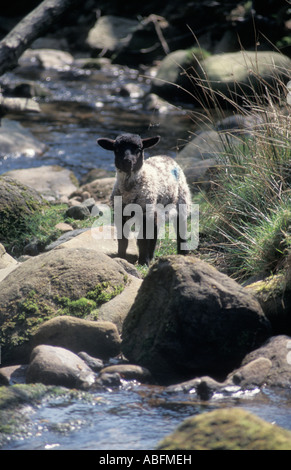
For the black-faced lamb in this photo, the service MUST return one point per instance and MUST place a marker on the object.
(155, 183)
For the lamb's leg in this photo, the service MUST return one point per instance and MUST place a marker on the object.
(182, 235)
(147, 240)
(122, 236)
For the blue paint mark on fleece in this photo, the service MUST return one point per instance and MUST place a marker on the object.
(175, 173)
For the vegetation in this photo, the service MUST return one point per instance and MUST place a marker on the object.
(245, 220)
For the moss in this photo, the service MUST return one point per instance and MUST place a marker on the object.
(227, 429)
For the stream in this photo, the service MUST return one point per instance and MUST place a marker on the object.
(85, 105)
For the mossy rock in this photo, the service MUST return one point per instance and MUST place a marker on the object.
(61, 282)
(274, 295)
(236, 76)
(17, 203)
(227, 429)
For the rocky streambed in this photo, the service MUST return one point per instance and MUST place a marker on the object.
(93, 355)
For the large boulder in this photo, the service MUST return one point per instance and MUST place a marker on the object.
(189, 319)
(61, 282)
(230, 75)
(227, 429)
(51, 181)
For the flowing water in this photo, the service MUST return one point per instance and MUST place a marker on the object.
(85, 105)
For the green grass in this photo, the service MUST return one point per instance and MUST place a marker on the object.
(40, 227)
(245, 220)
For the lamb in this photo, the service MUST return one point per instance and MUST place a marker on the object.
(148, 183)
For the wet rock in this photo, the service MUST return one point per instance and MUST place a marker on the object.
(98, 339)
(107, 381)
(129, 372)
(13, 375)
(17, 105)
(46, 58)
(93, 362)
(188, 319)
(227, 429)
(16, 140)
(253, 374)
(276, 350)
(27, 90)
(51, 181)
(51, 365)
(50, 284)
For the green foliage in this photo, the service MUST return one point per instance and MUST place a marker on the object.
(247, 218)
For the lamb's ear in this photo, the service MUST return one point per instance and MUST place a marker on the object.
(107, 144)
(150, 142)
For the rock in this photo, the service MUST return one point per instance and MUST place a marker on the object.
(102, 239)
(189, 319)
(253, 374)
(117, 309)
(172, 81)
(277, 350)
(51, 365)
(95, 174)
(251, 71)
(65, 237)
(79, 212)
(99, 189)
(63, 227)
(18, 105)
(16, 140)
(110, 33)
(13, 375)
(206, 145)
(28, 89)
(182, 73)
(46, 58)
(94, 363)
(227, 429)
(17, 203)
(246, 378)
(98, 339)
(51, 181)
(62, 281)
(129, 372)
(274, 296)
(7, 263)
(107, 381)
(154, 103)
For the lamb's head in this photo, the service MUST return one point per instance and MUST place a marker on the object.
(128, 150)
